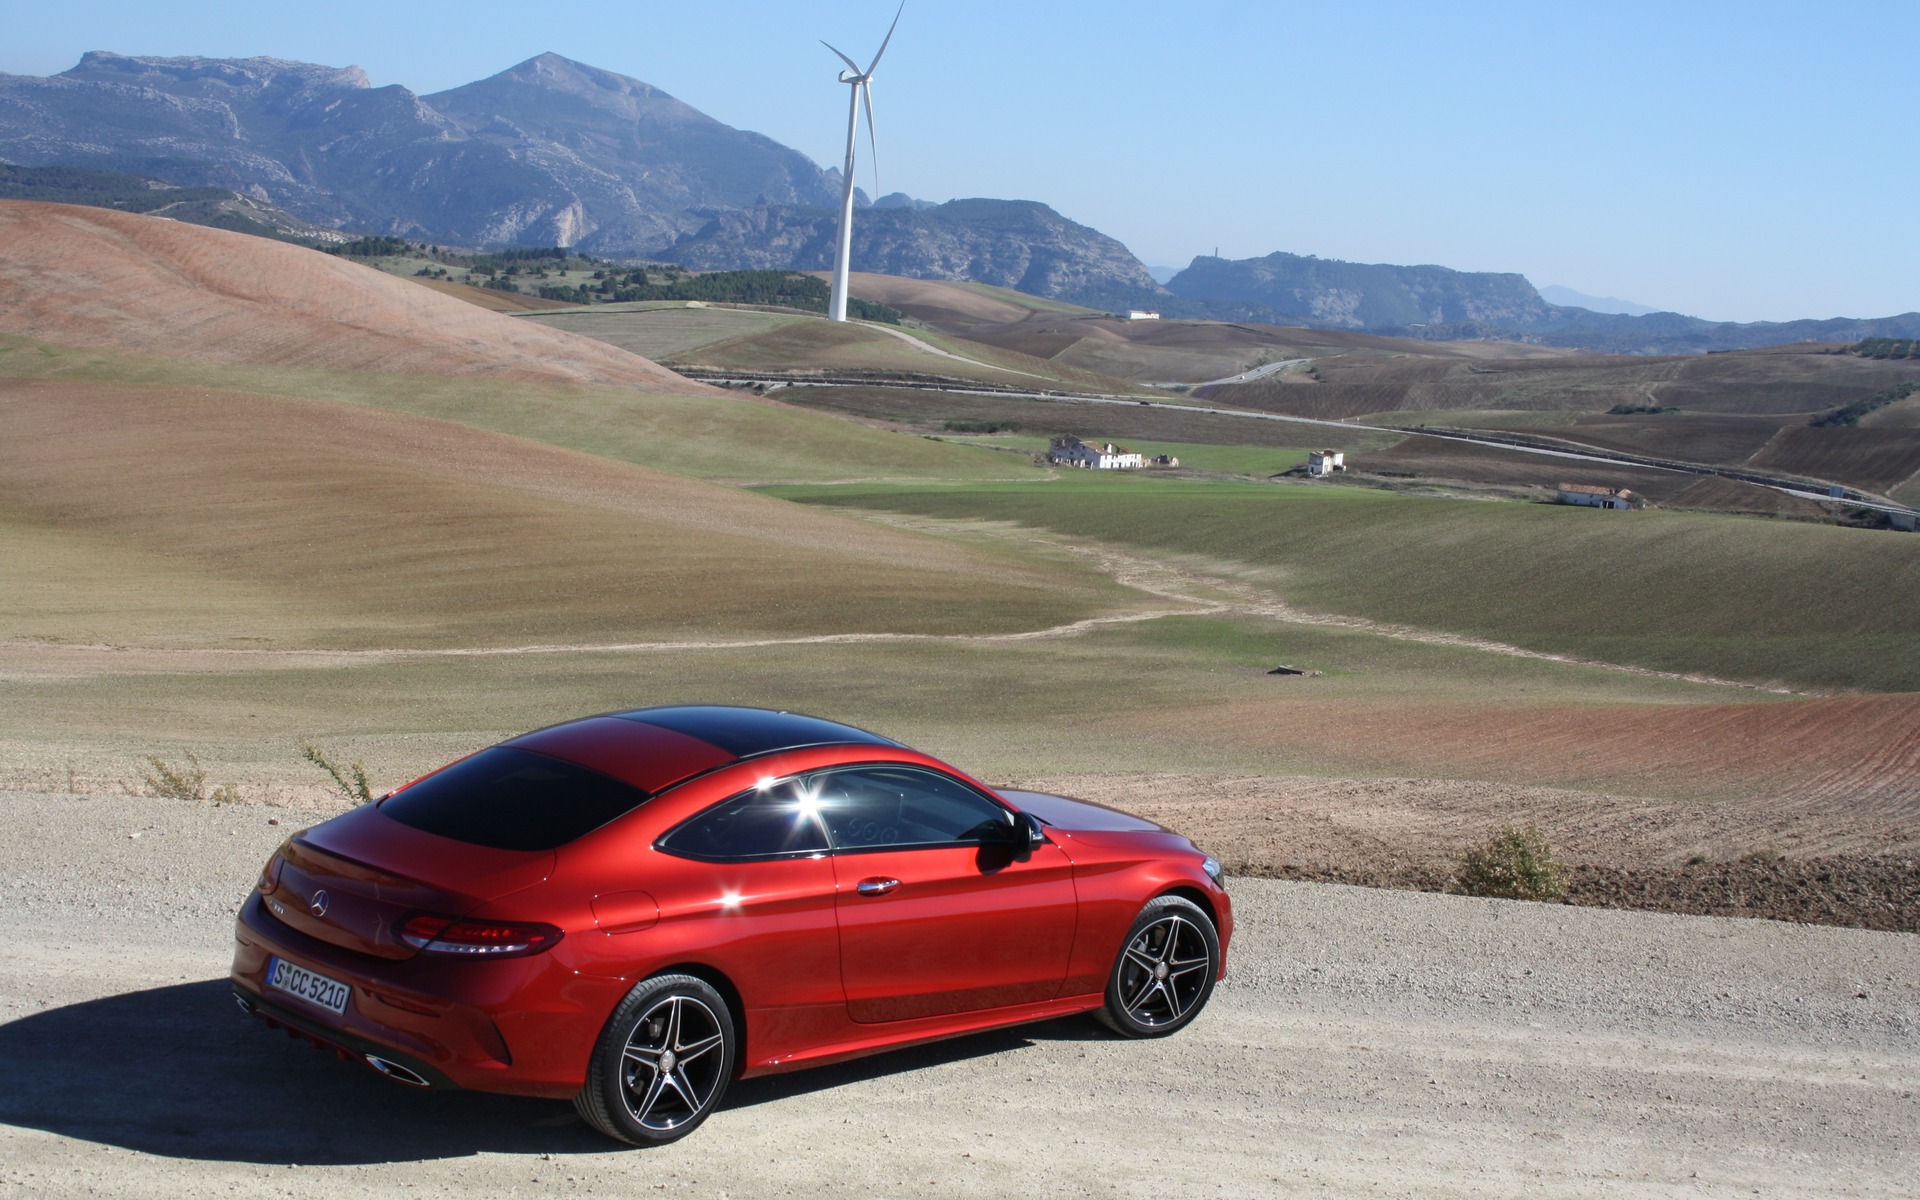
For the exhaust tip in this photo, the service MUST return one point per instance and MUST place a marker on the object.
(396, 1072)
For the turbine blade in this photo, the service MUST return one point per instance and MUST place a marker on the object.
(873, 143)
(889, 37)
(851, 65)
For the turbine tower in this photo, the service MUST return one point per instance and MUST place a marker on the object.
(862, 84)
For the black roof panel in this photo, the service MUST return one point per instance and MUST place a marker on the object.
(745, 732)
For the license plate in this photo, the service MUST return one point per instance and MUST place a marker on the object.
(294, 980)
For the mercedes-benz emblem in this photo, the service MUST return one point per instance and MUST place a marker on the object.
(318, 905)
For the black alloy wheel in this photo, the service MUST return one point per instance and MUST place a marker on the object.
(1165, 971)
(661, 1064)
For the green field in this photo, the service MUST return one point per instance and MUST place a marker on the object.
(1809, 604)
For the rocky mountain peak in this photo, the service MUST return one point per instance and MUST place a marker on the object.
(200, 76)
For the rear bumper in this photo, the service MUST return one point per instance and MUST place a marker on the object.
(341, 1042)
(523, 1026)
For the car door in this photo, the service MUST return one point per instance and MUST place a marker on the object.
(764, 900)
(935, 916)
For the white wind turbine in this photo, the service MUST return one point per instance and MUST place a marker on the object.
(862, 84)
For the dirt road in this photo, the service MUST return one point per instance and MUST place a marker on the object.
(1368, 1042)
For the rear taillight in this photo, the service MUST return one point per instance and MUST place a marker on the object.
(270, 874)
(432, 934)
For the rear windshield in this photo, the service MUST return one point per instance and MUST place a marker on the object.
(513, 800)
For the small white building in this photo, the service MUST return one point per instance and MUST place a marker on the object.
(1597, 497)
(1142, 314)
(1104, 456)
(1325, 462)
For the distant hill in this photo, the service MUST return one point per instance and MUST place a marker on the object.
(1019, 244)
(215, 207)
(1566, 297)
(1438, 303)
(1295, 289)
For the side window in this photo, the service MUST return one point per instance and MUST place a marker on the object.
(867, 808)
(764, 823)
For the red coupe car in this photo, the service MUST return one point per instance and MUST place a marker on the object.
(632, 910)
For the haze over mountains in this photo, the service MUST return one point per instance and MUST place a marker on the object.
(556, 152)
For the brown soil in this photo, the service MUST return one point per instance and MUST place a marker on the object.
(1726, 438)
(1780, 382)
(96, 277)
(1444, 460)
(1821, 857)
(1857, 892)
(1732, 496)
(1877, 459)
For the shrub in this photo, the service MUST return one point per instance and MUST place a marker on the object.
(352, 782)
(1513, 864)
(187, 783)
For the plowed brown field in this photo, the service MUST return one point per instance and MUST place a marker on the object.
(1878, 459)
(1804, 810)
(1442, 460)
(96, 277)
(1713, 494)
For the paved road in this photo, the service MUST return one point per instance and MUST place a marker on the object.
(1371, 1043)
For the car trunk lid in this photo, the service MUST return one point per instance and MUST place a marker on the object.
(352, 881)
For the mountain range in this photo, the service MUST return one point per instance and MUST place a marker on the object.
(553, 152)
(1439, 303)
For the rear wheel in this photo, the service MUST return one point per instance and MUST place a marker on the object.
(1165, 970)
(661, 1064)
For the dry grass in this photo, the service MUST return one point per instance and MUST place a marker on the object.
(491, 299)
(341, 526)
(720, 435)
(665, 331)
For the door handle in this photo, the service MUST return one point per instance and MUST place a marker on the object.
(876, 886)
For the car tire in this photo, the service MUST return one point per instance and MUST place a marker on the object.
(661, 1064)
(1164, 973)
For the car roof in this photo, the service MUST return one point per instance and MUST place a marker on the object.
(655, 748)
(747, 732)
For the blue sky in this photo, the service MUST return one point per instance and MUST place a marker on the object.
(1734, 161)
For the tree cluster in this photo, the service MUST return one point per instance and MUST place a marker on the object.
(1887, 348)
(1850, 414)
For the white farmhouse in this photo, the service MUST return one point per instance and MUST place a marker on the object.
(1070, 451)
(1597, 497)
(1325, 462)
(1142, 314)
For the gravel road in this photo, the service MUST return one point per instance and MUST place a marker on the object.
(1368, 1042)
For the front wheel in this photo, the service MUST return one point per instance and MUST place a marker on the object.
(1165, 970)
(661, 1064)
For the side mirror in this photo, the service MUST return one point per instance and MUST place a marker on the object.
(1029, 835)
(1019, 836)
